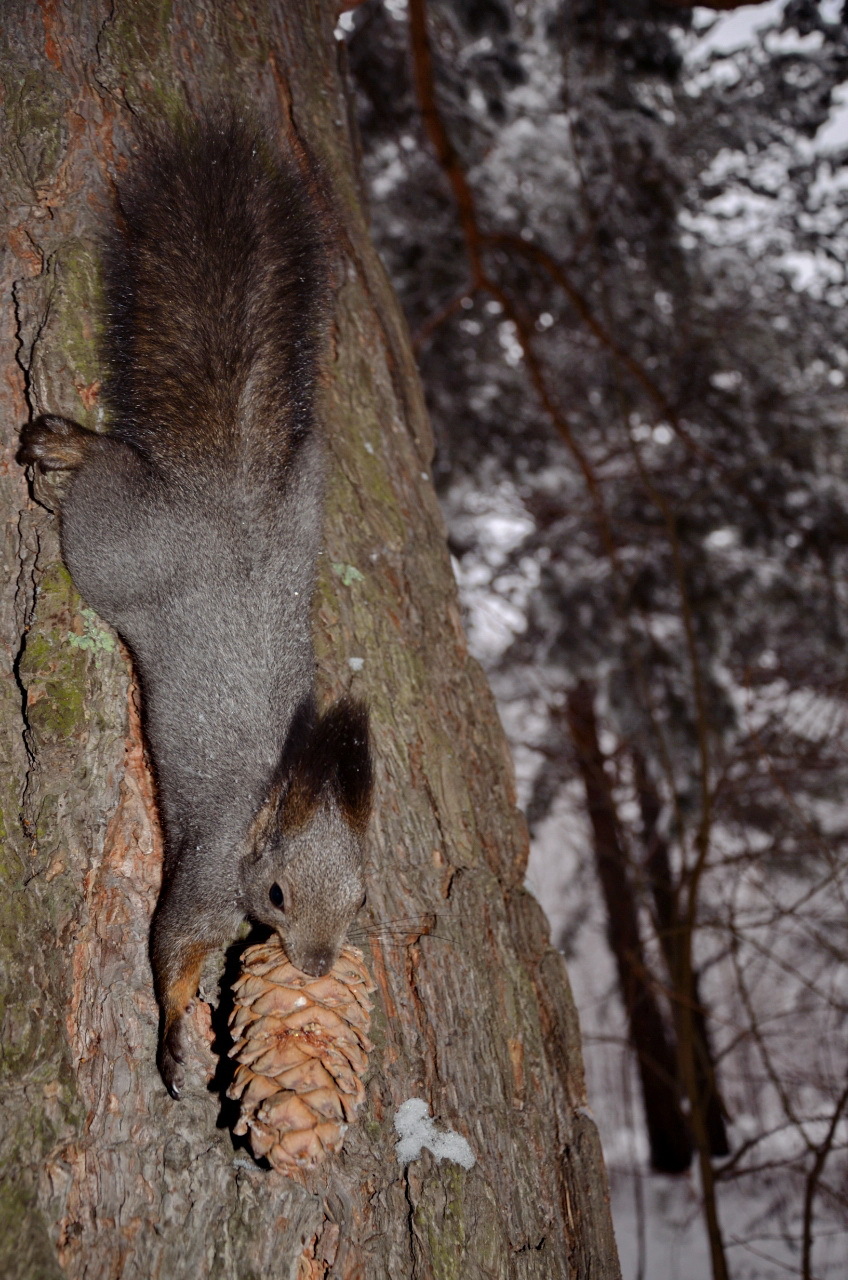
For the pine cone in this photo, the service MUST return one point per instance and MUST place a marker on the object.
(301, 1046)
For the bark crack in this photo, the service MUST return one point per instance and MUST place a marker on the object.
(25, 364)
(28, 555)
(98, 77)
(410, 1227)
(25, 597)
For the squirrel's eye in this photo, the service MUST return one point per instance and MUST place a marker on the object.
(364, 900)
(275, 893)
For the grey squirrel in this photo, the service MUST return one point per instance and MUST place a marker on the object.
(193, 527)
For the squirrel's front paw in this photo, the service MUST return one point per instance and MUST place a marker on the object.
(173, 1049)
(53, 444)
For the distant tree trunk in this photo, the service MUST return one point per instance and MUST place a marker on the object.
(105, 1176)
(661, 881)
(668, 1132)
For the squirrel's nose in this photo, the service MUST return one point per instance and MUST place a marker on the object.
(318, 962)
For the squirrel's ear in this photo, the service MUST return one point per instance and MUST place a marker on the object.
(335, 753)
(292, 793)
(266, 823)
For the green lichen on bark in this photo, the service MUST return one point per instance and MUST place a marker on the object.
(51, 669)
(78, 306)
(461, 1235)
(26, 1250)
(68, 654)
(35, 132)
(439, 1219)
(133, 55)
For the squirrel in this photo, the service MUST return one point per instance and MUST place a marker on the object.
(193, 527)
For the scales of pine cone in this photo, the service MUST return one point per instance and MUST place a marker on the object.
(302, 1049)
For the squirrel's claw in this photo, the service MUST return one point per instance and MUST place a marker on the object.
(53, 444)
(172, 1054)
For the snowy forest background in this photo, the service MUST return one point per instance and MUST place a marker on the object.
(618, 231)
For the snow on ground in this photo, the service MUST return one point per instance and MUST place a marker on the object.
(658, 1220)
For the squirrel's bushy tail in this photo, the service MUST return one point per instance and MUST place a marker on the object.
(217, 295)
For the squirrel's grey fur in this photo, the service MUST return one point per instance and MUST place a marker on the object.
(193, 527)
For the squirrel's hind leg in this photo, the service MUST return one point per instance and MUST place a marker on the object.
(181, 937)
(54, 444)
(176, 979)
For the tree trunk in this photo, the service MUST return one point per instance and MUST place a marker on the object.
(105, 1175)
(669, 931)
(668, 1132)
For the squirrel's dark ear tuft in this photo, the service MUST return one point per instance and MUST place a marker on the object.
(354, 775)
(334, 753)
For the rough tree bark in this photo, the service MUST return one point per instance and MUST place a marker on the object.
(105, 1175)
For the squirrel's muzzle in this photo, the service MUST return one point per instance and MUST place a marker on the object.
(318, 961)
